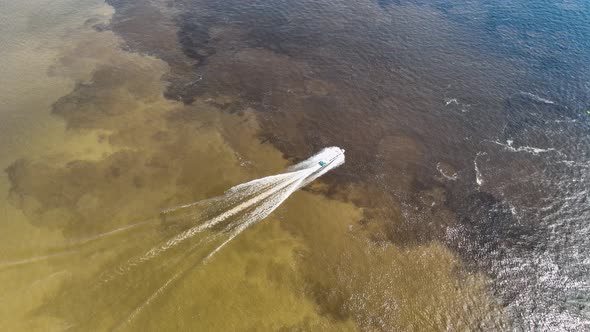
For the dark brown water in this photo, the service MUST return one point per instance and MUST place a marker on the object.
(463, 204)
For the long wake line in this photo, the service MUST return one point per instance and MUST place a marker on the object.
(243, 205)
(167, 248)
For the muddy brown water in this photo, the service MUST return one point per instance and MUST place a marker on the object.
(463, 189)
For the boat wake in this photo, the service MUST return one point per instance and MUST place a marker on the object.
(154, 255)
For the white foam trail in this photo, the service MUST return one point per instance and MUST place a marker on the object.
(299, 176)
(281, 181)
(258, 214)
(34, 259)
(248, 203)
(478, 176)
(243, 191)
(451, 101)
(73, 245)
(536, 151)
(537, 98)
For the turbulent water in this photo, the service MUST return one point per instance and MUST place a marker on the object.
(463, 204)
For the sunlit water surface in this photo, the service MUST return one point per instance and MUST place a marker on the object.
(463, 203)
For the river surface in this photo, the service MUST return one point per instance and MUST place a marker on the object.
(463, 204)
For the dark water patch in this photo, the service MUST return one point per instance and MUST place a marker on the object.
(159, 37)
(355, 95)
(350, 85)
(490, 226)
